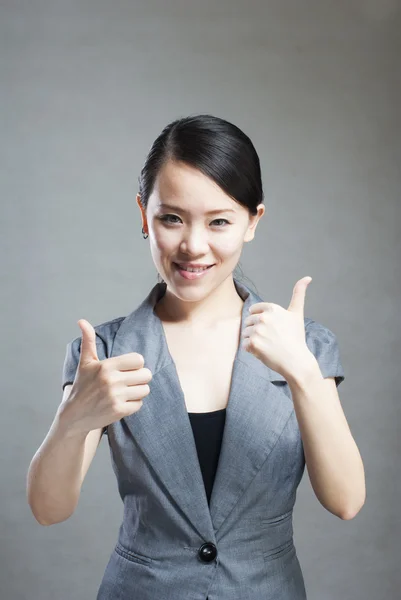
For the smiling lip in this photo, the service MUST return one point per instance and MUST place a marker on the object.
(192, 274)
(192, 265)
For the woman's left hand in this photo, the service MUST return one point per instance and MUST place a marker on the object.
(276, 336)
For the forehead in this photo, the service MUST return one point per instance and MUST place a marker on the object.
(188, 187)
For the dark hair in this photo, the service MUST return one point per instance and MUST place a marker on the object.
(214, 146)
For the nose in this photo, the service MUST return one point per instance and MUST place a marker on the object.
(195, 242)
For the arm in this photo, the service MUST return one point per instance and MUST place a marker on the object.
(58, 468)
(333, 460)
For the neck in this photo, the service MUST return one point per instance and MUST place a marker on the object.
(222, 305)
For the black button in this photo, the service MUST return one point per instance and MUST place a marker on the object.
(207, 552)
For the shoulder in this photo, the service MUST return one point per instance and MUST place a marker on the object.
(323, 344)
(316, 332)
(105, 334)
(108, 329)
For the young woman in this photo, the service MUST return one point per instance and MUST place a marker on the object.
(211, 398)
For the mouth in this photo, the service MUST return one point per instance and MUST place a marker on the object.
(192, 273)
(190, 269)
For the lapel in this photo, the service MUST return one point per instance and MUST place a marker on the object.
(256, 414)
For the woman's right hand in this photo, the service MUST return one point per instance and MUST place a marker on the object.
(104, 391)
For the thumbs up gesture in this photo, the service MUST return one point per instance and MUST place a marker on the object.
(107, 390)
(277, 336)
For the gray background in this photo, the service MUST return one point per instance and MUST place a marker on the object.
(85, 89)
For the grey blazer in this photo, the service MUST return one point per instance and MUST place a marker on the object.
(171, 544)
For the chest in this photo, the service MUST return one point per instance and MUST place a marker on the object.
(204, 364)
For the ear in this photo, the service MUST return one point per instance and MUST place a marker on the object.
(143, 212)
(138, 201)
(253, 221)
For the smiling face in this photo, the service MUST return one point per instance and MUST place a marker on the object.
(183, 229)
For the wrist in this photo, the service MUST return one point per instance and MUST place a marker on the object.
(67, 426)
(305, 371)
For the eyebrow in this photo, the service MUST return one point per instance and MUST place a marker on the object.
(210, 212)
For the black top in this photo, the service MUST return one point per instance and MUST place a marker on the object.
(208, 428)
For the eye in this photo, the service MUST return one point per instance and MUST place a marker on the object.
(166, 219)
(225, 221)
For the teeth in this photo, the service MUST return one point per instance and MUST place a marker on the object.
(193, 270)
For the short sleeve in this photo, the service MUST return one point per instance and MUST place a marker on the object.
(71, 361)
(323, 344)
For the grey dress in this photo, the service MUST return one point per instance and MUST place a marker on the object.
(172, 544)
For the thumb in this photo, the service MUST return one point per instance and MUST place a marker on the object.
(88, 344)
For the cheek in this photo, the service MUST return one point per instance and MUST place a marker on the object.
(225, 246)
(163, 242)
(230, 246)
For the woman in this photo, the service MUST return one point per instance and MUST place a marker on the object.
(203, 388)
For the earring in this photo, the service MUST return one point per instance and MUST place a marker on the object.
(145, 235)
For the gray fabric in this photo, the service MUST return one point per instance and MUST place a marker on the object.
(166, 516)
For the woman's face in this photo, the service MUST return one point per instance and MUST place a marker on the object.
(182, 228)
